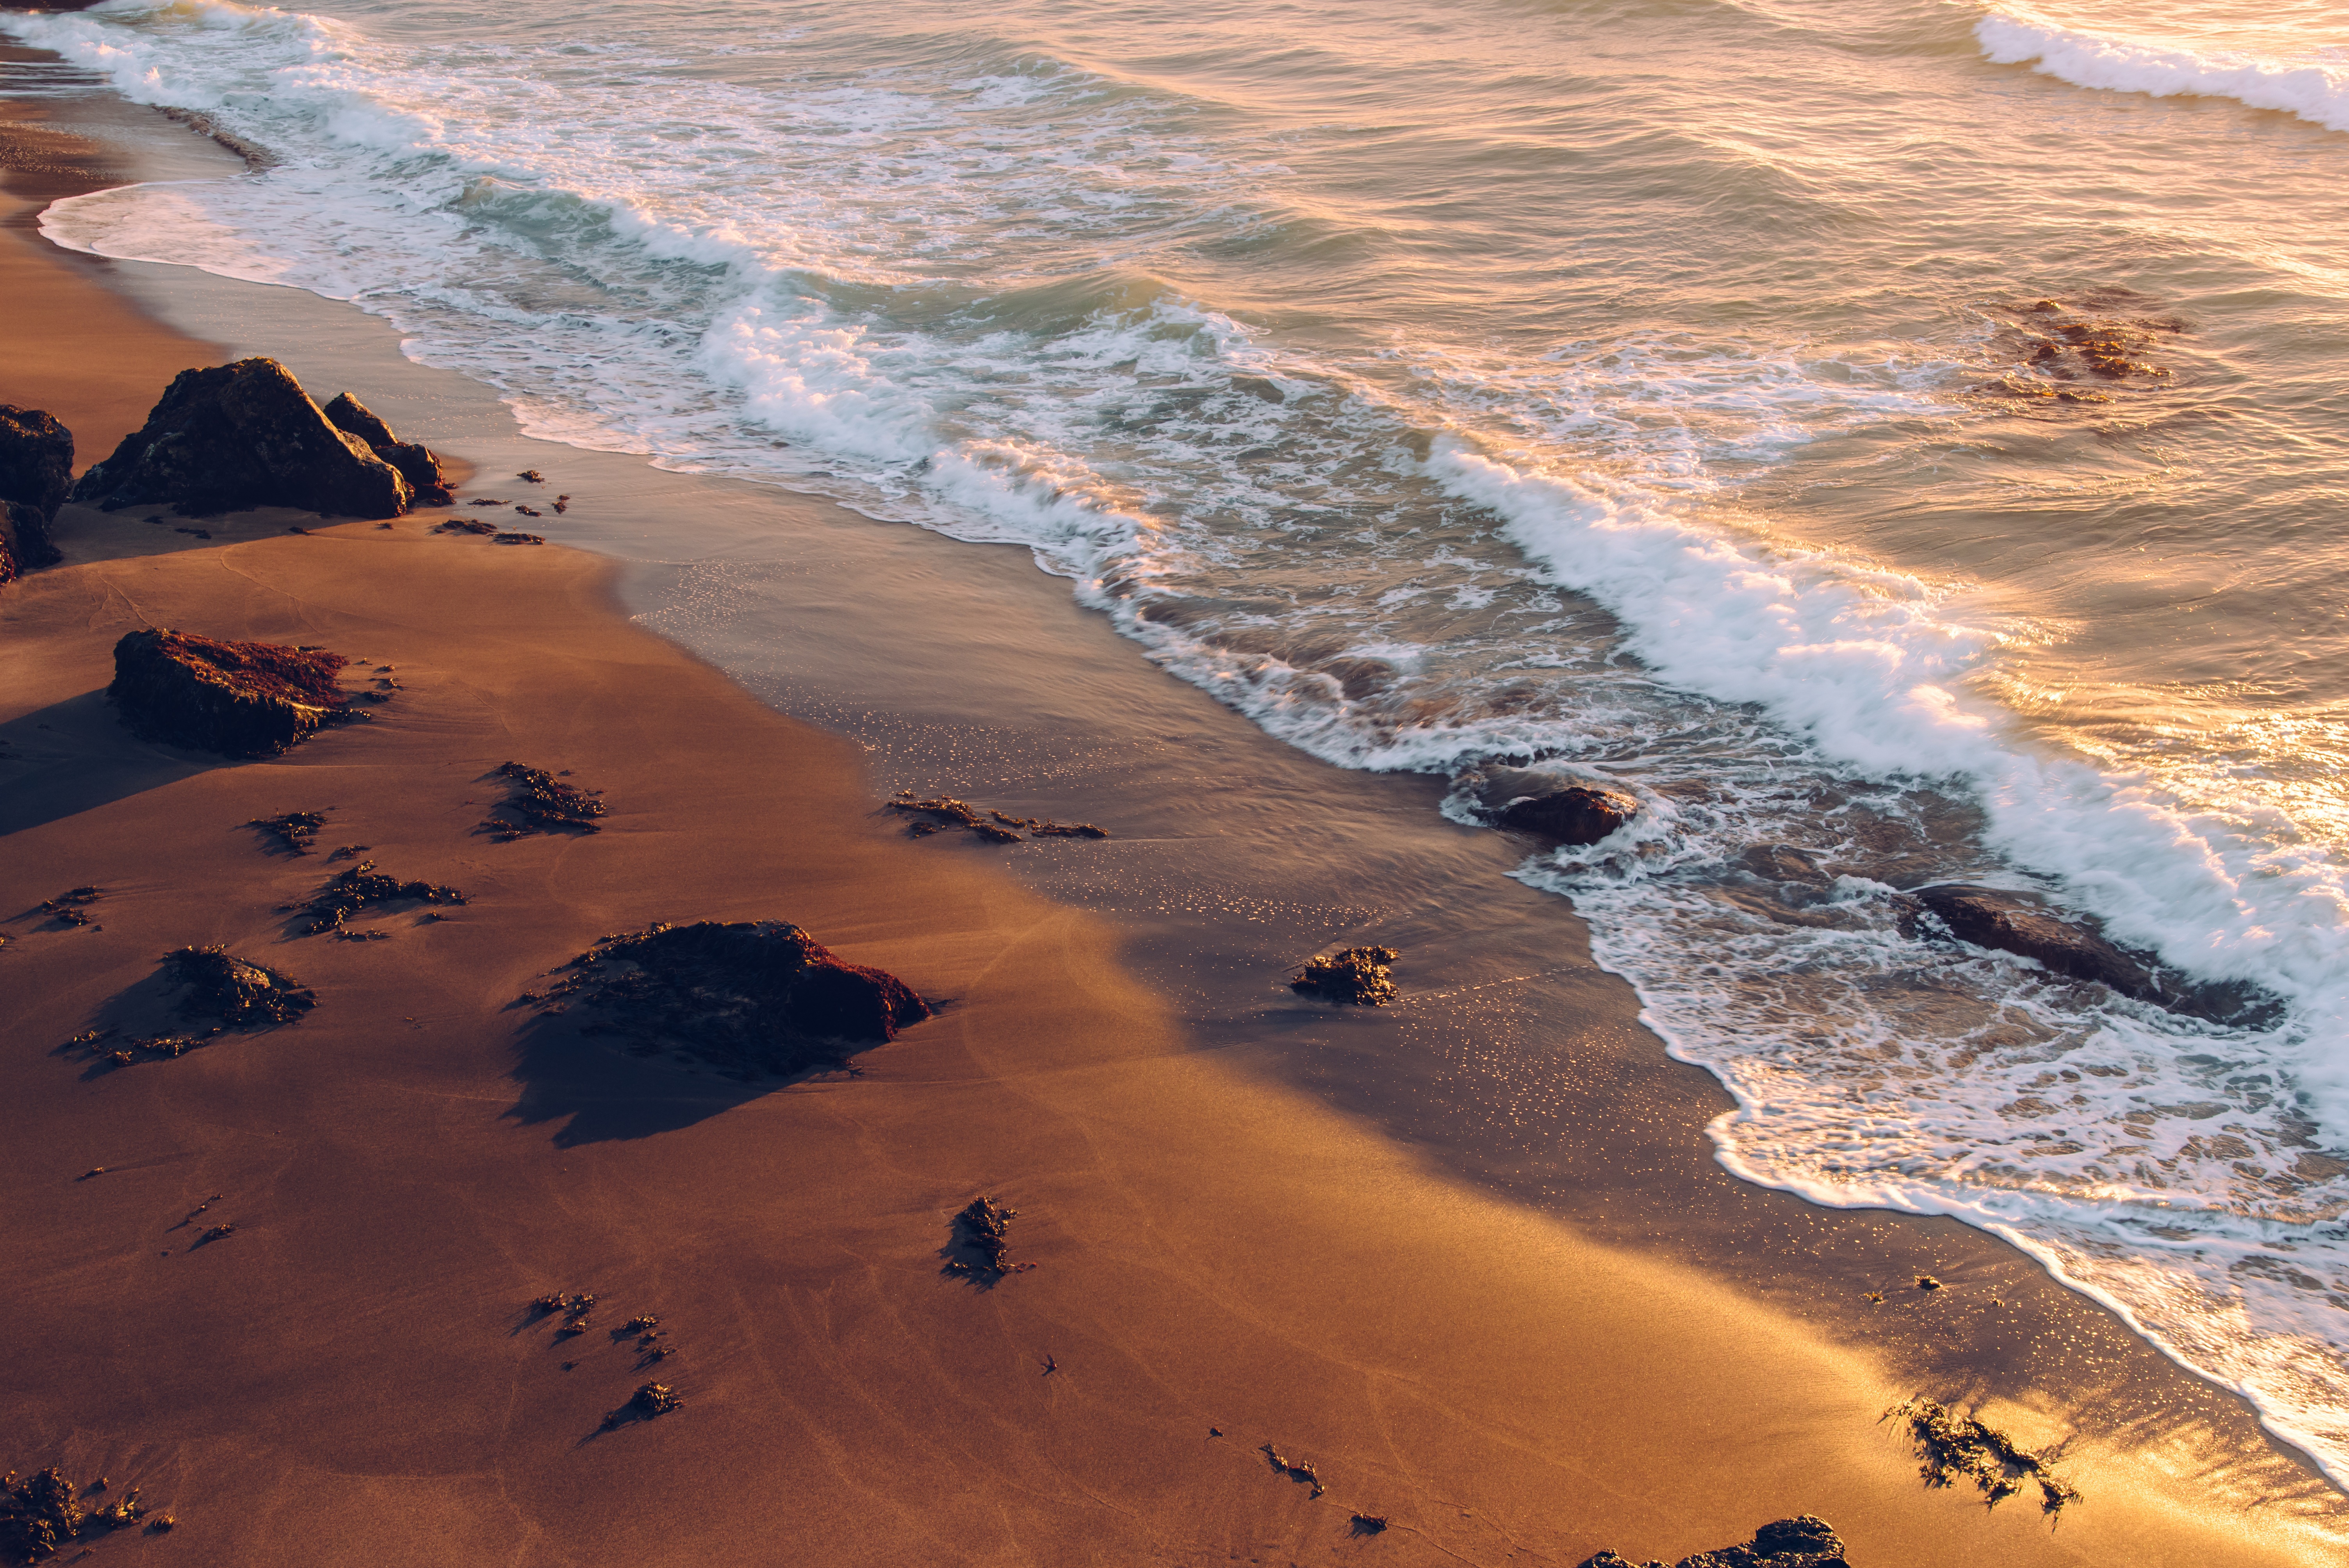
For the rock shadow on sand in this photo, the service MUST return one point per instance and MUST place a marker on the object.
(74, 755)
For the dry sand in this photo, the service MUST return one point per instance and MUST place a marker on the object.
(353, 1376)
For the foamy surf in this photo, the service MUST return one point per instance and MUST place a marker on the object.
(1411, 542)
(2315, 89)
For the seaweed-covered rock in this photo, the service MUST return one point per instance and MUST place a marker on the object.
(236, 991)
(1359, 974)
(2014, 923)
(758, 996)
(244, 434)
(36, 472)
(1802, 1541)
(417, 463)
(240, 699)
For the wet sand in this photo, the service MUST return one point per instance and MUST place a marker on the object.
(353, 1376)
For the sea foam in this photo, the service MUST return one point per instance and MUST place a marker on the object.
(2315, 89)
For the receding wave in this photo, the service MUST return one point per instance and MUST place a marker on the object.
(2315, 90)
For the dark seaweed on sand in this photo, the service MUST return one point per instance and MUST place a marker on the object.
(363, 885)
(984, 1227)
(292, 829)
(235, 990)
(67, 908)
(544, 804)
(1955, 1448)
(1299, 1470)
(41, 1513)
(650, 1400)
(945, 812)
(1357, 974)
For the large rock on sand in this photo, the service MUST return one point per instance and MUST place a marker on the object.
(244, 434)
(750, 995)
(240, 699)
(417, 463)
(36, 472)
(2014, 923)
(1802, 1541)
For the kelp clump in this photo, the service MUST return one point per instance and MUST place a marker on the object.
(1804, 1541)
(1957, 1447)
(945, 812)
(544, 804)
(650, 1400)
(758, 996)
(1357, 974)
(292, 830)
(235, 990)
(984, 1227)
(363, 885)
(41, 1513)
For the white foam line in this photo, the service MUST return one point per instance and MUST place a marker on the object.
(2314, 90)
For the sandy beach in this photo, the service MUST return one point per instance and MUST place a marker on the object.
(1226, 1258)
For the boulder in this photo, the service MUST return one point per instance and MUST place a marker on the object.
(36, 472)
(1576, 814)
(758, 996)
(417, 463)
(240, 699)
(1544, 805)
(2014, 923)
(1802, 1541)
(244, 434)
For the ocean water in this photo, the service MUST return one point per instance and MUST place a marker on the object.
(1907, 431)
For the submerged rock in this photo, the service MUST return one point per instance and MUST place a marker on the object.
(417, 463)
(2013, 922)
(240, 699)
(36, 472)
(244, 434)
(1802, 1541)
(754, 995)
(235, 990)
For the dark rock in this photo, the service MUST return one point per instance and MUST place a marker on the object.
(1359, 974)
(544, 802)
(1802, 1541)
(36, 472)
(2014, 923)
(418, 464)
(235, 990)
(244, 434)
(1782, 863)
(1574, 815)
(240, 699)
(757, 995)
(1539, 803)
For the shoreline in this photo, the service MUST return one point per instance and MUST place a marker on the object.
(1243, 1257)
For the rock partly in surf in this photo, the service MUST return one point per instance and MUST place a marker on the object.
(1545, 806)
(1802, 1541)
(1357, 974)
(2011, 922)
(244, 434)
(240, 699)
(417, 463)
(36, 472)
